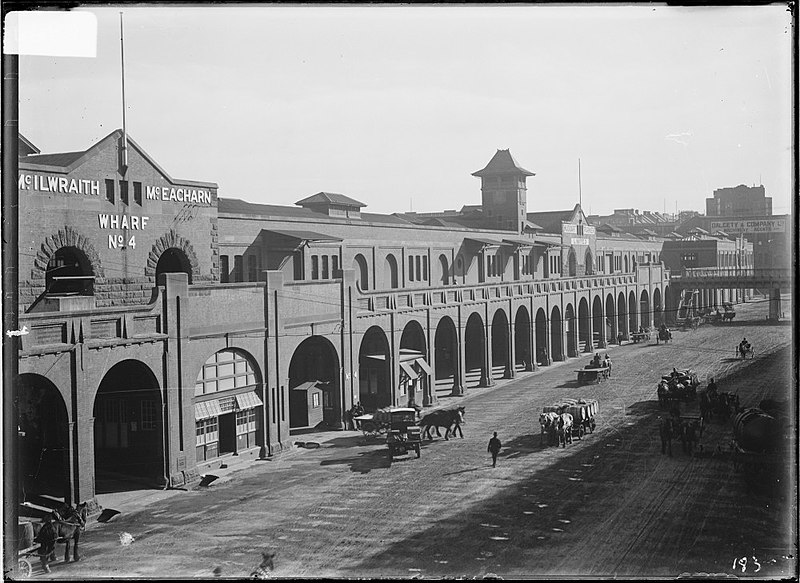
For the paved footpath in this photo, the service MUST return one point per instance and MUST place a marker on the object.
(610, 505)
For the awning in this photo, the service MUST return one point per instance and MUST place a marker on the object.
(424, 365)
(375, 356)
(483, 241)
(305, 386)
(304, 236)
(207, 409)
(409, 354)
(519, 242)
(248, 400)
(407, 368)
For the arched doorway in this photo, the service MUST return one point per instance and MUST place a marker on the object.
(622, 316)
(657, 308)
(572, 264)
(128, 429)
(501, 361)
(44, 443)
(598, 323)
(584, 326)
(390, 272)
(172, 260)
(314, 366)
(374, 370)
(445, 344)
(522, 340)
(571, 330)
(475, 352)
(362, 272)
(444, 270)
(611, 320)
(633, 320)
(228, 405)
(588, 262)
(644, 309)
(555, 334)
(542, 354)
(413, 364)
(69, 272)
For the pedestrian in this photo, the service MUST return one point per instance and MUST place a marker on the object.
(494, 448)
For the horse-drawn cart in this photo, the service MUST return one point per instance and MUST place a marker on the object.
(24, 566)
(640, 337)
(591, 374)
(404, 435)
(677, 386)
(582, 412)
(371, 426)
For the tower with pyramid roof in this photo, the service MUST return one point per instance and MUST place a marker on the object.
(504, 192)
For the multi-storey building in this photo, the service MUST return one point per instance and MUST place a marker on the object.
(171, 328)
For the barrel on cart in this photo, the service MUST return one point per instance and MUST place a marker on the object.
(583, 412)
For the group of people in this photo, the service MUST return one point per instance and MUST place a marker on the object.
(672, 426)
(744, 346)
(597, 362)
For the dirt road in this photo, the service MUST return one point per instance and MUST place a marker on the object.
(609, 505)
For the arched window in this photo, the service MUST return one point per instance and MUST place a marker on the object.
(626, 264)
(362, 272)
(573, 264)
(173, 260)
(444, 270)
(69, 272)
(390, 274)
(589, 261)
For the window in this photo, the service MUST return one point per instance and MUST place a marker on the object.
(206, 431)
(410, 269)
(137, 193)
(424, 268)
(149, 415)
(123, 192)
(110, 190)
(238, 268)
(335, 266)
(325, 272)
(315, 400)
(223, 371)
(252, 268)
(418, 261)
(314, 267)
(224, 269)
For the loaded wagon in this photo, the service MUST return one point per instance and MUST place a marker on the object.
(677, 386)
(583, 412)
(593, 374)
(403, 434)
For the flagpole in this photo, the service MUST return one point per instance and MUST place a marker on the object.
(124, 161)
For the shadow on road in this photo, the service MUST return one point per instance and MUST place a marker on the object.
(363, 463)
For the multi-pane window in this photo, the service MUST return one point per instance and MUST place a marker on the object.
(149, 415)
(223, 371)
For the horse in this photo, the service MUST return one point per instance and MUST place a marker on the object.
(666, 432)
(546, 420)
(663, 394)
(744, 350)
(564, 429)
(64, 525)
(664, 334)
(443, 418)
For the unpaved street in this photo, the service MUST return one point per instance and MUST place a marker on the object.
(609, 505)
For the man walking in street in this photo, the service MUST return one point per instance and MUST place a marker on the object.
(494, 448)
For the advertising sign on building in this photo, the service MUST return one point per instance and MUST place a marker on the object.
(738, 227)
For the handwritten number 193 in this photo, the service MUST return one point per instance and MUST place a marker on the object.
(742, 562)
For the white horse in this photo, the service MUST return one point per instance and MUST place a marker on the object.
(564, 428)
(546, 420)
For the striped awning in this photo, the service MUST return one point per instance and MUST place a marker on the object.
(248, 401)
(409, 370)
(207, 409)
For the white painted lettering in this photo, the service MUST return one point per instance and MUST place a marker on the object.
(103, 221)
(124, 224)
(134, 222)
(95, 187)
(112, 242)
(62, 184)
(52, 183)
(152, 193)
(73, 186)
(115, 221)
(144, 221)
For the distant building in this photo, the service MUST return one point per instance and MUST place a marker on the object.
(739, 201)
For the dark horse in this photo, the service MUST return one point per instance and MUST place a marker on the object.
(447, 418)
(63, 525)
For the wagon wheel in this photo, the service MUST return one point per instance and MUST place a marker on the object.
(24, 568)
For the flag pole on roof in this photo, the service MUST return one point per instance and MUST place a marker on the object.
(124, 151)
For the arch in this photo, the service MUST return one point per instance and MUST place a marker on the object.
(128, 428)
(67, 237)
(171, 240)
(501, 353)
(44, 445)
(522, 340)
(374, 370)
(69, 262)
(657, 308)
(362, 272)
(444, 270)
(460, 268)
(572, 263)
(475, 352)
(555, 334)
(644, 309)
(571, 330)
(413, 347)
(598, 323)
(611, 319)
(588, 261)
(446, 357)
(230, 375)
(633, 320)
(390, 271)
(172, 260)
(542, 353)
(585, 326)
(314, 369)
(622, 318)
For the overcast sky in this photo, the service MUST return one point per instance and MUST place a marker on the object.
(397, 106)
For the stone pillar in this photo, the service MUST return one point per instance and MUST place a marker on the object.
(276, 431)
(459, 374)
(774, 304)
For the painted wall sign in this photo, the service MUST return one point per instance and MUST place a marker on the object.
(751, 226)
(179, 194)
(58, 184)
(579, 241)
(126, 223)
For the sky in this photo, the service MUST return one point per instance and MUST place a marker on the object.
(398, 106)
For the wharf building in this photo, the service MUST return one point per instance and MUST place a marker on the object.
(171, 328)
